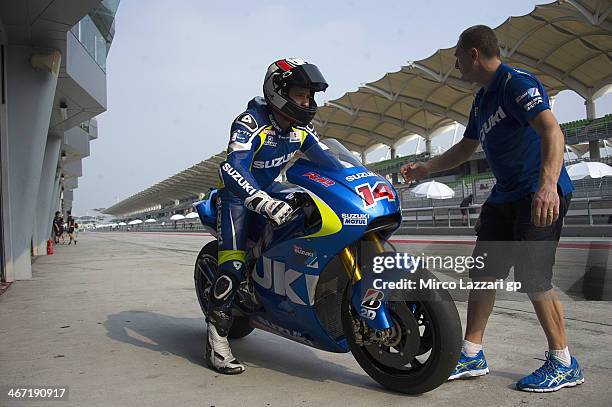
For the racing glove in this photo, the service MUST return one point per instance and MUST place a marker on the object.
(272, 209)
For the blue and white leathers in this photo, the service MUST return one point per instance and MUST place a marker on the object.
(259, 149)
(257, 152)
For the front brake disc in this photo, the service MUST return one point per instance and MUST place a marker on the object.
(405, 351)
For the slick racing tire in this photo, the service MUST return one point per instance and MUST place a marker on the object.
(417, 363)
(207, 261)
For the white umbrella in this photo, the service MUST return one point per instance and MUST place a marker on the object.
(134, 222)
(151, 220)
(433, 189)
(191, 215)
(121, 224)
(588, 169)
(177, 217)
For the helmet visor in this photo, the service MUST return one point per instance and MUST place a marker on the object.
(307, 76)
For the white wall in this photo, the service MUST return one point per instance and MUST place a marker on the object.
(30, 96)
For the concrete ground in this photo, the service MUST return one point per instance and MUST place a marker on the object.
(116, 319)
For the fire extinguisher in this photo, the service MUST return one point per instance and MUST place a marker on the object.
(49, 247)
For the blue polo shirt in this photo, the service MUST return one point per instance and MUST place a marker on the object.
(500, 120)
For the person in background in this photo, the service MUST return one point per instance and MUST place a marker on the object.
(71, 228)
(467, 201)
(58, 227)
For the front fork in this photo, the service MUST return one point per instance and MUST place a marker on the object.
(369, 305)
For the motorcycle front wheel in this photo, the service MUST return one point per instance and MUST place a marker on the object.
(426, 347)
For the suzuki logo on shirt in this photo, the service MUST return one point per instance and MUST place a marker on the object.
(276, 162)
(491, 122)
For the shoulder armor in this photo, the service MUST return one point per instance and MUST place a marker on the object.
(247, 120)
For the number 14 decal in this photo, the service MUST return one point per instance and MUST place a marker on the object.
(371, 195)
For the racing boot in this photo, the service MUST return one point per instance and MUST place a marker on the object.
(218, 353)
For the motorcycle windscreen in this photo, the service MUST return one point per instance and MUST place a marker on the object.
(332, 156)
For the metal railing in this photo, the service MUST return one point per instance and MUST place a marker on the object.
(440, 216)
(582, 211)
(168, 226)
(591, 211)
(598, 130)
(480, 187)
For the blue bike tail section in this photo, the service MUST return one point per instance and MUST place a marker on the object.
(207, 210)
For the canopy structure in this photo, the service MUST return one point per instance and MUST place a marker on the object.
(195, 180)
(566, 44)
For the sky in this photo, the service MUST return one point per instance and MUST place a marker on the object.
(180, 71)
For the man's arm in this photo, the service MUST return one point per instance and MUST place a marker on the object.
(235, 171)
(456, 155)
(246, 139)
(527, 102)
(553, 142)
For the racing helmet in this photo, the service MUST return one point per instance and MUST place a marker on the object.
(282, 75)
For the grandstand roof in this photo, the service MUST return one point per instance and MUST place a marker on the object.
(193, 181)
(567, 44)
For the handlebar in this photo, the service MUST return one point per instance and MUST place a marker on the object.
(297, 200)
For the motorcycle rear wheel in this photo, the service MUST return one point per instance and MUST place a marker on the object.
(438, 350)
(207, 258)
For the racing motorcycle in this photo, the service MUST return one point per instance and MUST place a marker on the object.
(309, 280)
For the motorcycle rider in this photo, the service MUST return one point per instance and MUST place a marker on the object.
(262, 140)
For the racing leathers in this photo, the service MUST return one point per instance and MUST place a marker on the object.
(257, 152)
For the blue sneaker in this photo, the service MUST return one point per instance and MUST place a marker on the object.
(470, 366)
(552, 376)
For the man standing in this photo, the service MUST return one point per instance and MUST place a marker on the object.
(58, 227)
(71, 228)
(523, 144)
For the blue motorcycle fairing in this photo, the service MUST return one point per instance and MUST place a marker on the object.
(287, 273)
(343, 194)
(287, 298)
(336, 197)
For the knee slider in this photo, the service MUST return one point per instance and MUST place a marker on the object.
(224, 286)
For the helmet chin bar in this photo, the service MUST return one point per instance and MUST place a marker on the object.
(292, 120)
(295, 114)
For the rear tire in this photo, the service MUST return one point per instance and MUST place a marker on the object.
(207, 260)
(442, 342)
